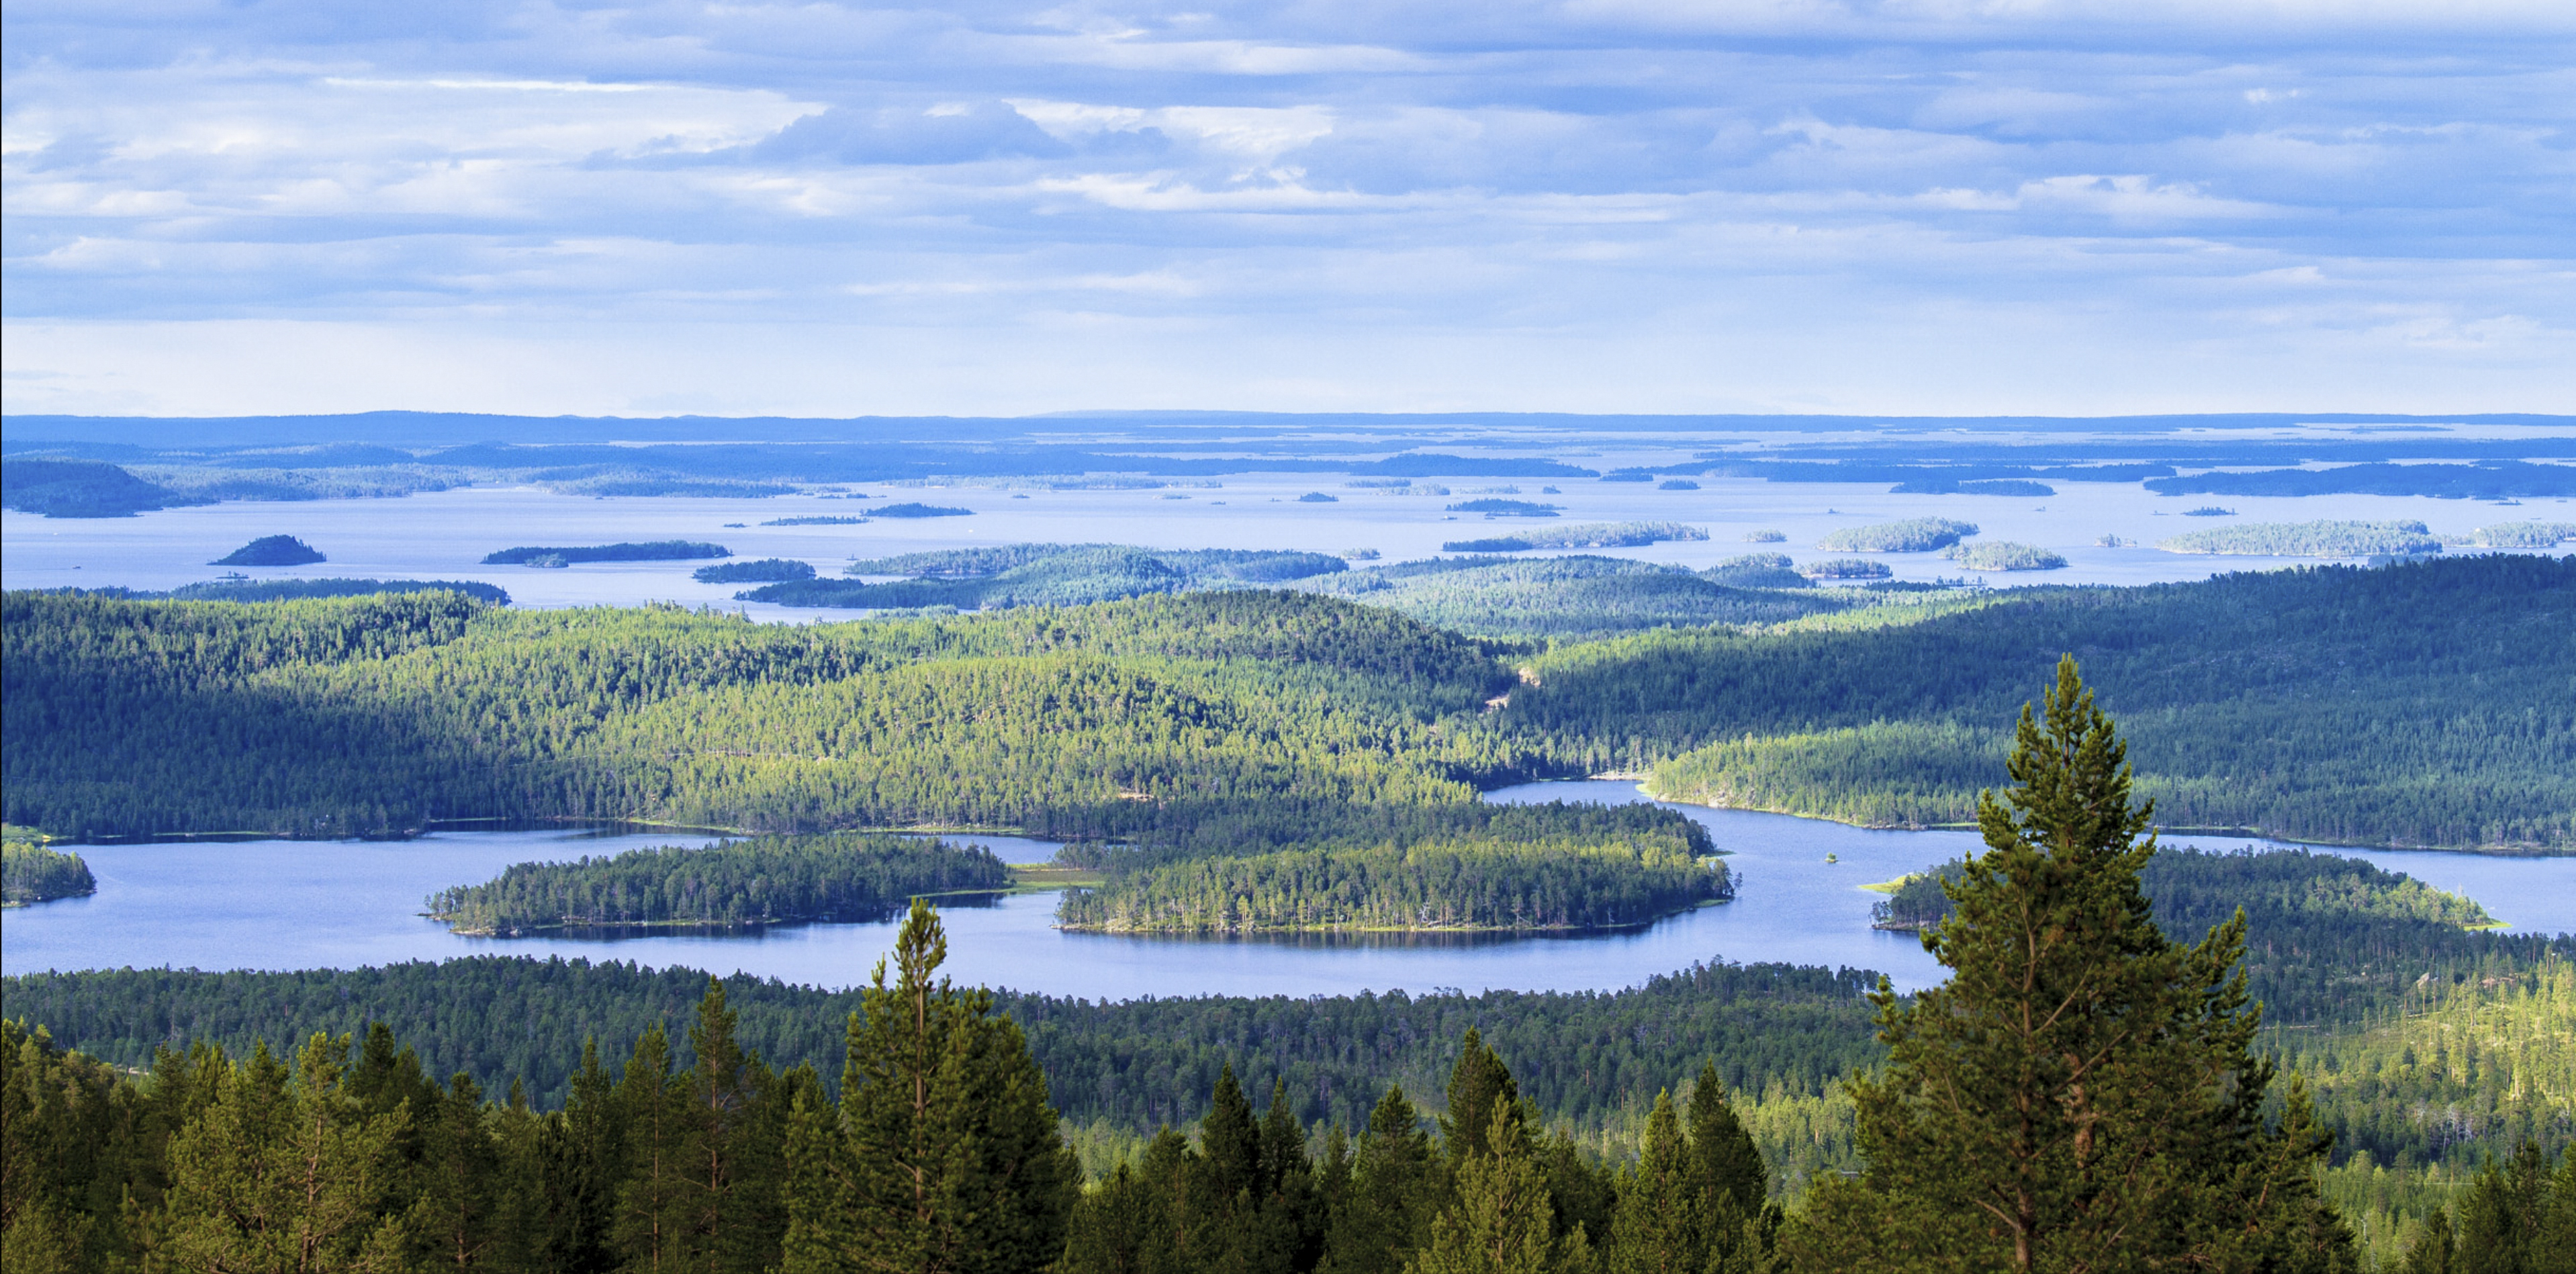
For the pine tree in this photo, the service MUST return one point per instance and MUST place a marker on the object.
(2081, 1094)
(652, 1106)
(945, 1157)
(731, 1183)
(1730, 1183)
(456, 1219)
(580, 1162)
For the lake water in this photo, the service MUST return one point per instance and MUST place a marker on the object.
(444, 535)
(304, 904)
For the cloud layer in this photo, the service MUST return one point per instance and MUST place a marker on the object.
(993, 207)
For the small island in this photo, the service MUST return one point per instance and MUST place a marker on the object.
(767, 570)
(2524, 535)
(655, 551)
(815, 520)
(1461, 884)
(2309, 539)
(1974, 486)
(1505, 508)
(1914, 535)
(1758, 570)
(1580, 535)
(2003, 555)
(911, 510)
(1845, 568)
(30, 872)
(769, 880)
(272, 550)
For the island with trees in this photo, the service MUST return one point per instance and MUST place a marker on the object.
(2004, 555)
(272, 550)
(768, 880)
(655, 551)
(1581, 535)
(767, 570)
(1913, 535)
(32, 871)
(2326, 538)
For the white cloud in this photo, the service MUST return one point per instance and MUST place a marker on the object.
(1596, 203)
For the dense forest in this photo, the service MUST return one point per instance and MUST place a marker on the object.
(2525, 535)
(1467, 885)
(1579, 596)
(762, 881)
(373, 716)
(238, 589)
(2426, 704)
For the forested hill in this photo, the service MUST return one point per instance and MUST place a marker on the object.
(2429, 703)
(372, 716)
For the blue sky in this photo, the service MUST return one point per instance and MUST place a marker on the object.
(993, 207)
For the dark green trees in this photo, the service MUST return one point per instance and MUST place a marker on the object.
(1698, 1198)
(2080, 1094)
(943, 1154)
(2518, 1218)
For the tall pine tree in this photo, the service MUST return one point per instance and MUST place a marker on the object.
(2081, 1094)
(945, 1157)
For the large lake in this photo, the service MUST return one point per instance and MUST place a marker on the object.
(304, 904)
(444, 535)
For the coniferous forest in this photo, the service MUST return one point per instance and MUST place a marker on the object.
(2340, 1068)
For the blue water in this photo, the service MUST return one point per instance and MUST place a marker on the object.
(303, 904)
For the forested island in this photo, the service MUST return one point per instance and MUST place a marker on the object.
(1582, 535)
(1494, 508)
(766, 570)
(768, 880)
(1580, 595)
(2524, 535)
(1045, 575)
(1913, 535)
(915, 509)
(272, 550)
(237, 588)
(2309, 539)
(2490, 480)
(656, 551)
(2004, 555)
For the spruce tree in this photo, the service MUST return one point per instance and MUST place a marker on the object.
(1502, 1220)
(1476, 1082)
(1658, 1227)
(1396, 1183)
(2081, 1093)
(285, 1173)
(945, 1158)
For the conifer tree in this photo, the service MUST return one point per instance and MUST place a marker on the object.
(1502, 1220)
(456, 1218)
(1395, 1189)
(1658, 1227)
(580, 1163)
(947, 1158)
(2081, 1093)
(1730, 1183)
(731, 1180)
(285, 1174)
(652, 1104)
(1476, 1082)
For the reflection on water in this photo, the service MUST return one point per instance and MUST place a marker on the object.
(340, 904)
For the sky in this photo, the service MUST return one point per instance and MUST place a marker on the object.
(989, 207)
